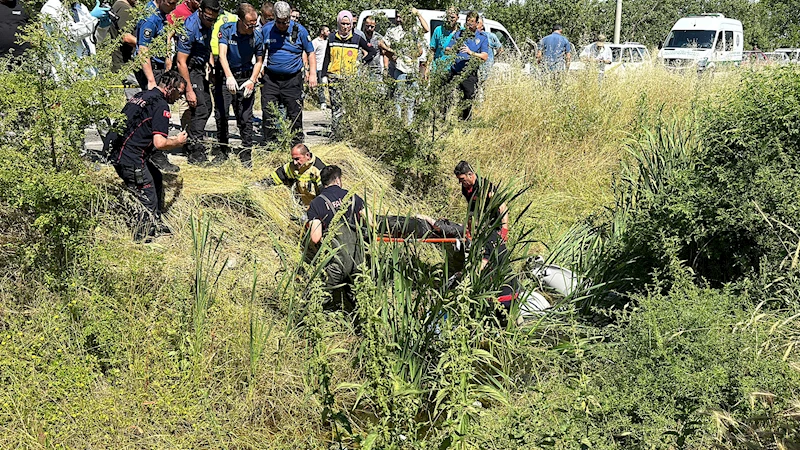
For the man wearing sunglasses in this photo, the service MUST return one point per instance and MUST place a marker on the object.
(194, 56)
(285, 41)
(236, 77)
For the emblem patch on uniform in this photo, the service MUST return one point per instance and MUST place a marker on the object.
(184, 38)
(148, 33)
(219, 35)
(167, 114)
(477, 41)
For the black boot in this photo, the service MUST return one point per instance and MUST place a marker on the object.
(161, 161)
(197, 158)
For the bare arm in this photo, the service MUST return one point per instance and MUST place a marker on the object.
(162, 142)
(223, 60)
(312, 70)
(315, 230)
(147, 68)
(422, 20)
(183, 69)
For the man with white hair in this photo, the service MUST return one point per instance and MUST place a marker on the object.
(598, 53)
(284, 43)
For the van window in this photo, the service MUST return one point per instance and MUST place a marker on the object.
(616, 54)
(435, 24)
(718, 47)
(645, 54)
(505, 39)
(635, 55)
(729, 41)
(690, 39)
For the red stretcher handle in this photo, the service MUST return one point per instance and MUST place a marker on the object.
(426, 240)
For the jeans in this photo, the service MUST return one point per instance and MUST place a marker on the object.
(404, 88)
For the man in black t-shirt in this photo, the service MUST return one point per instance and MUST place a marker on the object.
(147, 130)
(321, 211)
(470, 188)
(13, 18)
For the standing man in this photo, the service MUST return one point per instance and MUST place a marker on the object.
(239, 45)
(477, 192)
(555, 52)
(79, 31)
(194, 56)
(267, 14)
(599, 55)
(285, 41)
(127, 41)
(13, 18)
(349, 255)
(404, 50)
(295, 14)
(373, 38)
(495, 49)
(302, 174)
(147, 30)
(320, 44)
(146, 130)
(341, 60)
(473, 50)
(440, 38)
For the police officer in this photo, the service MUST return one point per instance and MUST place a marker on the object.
(146, 31)
(146, 130)
(285, 41)
(236, 77)
(194, 55)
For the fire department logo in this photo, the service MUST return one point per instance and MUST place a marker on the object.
(167, 114)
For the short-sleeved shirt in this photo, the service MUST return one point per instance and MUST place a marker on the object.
(319, 209)
(598, 55)
(196, 42)
(554, 49)
(494, 45)
(376, 64)
(241, 47)
(147, 114)
(283, 53)
(149, 28)
(181, 12)
(12, 18)
(405, 49)
(440, 40)
(477, 43)
(320, 45)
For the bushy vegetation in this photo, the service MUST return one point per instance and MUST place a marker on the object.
(217, 337)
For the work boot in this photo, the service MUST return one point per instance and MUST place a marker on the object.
(246, 157)
(219, 159)
(197, 158)
(161, 161)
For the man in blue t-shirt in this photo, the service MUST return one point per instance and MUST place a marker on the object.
(236, 75)
(473, 50)
(146, 31)
(285, 41)
(194, 55)
(440, 38)
(555, 52)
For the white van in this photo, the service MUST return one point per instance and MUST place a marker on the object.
(436, 18)
(704, 41)
(792, 54)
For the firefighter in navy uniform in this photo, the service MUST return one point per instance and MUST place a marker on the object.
(285, 41)
(194, 56)
(145, 131)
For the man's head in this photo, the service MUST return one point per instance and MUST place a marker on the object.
(466, 176)
(402, 15)
(172, 84)
(557, 28)
(267, 13)
(193, 5)
(601, 41)
(451, 16)
(248, 18)
(331, 175)
(209, 11)
(283, 13)
(369, 25)
(167, 6)
(295, 15)
(472, 21)
(301, 155)
(324, 32)
(345, 21)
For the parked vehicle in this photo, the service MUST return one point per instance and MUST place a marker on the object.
(754, 58)
(436, 18)
(627, 56)
(703, 42)
(793, 54)
(777, 58)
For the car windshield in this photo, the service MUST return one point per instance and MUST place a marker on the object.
(690, 39)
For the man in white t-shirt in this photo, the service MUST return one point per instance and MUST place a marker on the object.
(405, 50)
(320, 44)
(598, 53)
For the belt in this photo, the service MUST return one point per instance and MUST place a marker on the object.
(242, 73)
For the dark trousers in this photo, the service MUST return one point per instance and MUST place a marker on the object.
(468, 87)
(198, 116)
(142, 79)
(147, 185)
(286, 90)
(242, 109)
